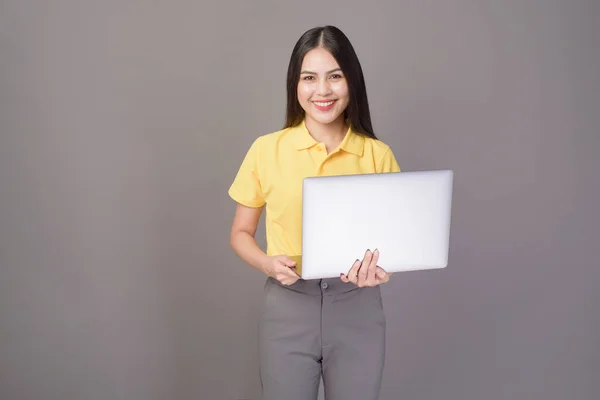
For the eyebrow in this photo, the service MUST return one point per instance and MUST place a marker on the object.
(328, 72)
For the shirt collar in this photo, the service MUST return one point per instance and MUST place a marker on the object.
(352, 143)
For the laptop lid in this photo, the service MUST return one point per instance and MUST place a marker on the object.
(405, 215)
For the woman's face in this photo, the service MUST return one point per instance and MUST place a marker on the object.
(322, 88)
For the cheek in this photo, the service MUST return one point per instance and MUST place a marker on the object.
(341, 89)
(304, 93)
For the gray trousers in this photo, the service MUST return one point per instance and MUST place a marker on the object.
(325, 328)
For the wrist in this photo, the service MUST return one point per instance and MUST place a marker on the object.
(263, 265)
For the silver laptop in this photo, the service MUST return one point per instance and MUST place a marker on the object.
(405, 215)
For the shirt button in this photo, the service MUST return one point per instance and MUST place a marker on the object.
(325, 285)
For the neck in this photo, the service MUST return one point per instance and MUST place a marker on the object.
(330, 134)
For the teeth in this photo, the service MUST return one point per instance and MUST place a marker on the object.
(320, 104)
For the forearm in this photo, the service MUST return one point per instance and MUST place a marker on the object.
(246, 247)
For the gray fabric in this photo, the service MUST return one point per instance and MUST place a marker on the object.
(321, 326)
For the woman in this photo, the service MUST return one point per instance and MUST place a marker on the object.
(334, 328)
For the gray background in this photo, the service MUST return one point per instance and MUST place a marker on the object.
(124, 122)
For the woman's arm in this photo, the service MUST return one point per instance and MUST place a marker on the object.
(242, 238)
(244, 245)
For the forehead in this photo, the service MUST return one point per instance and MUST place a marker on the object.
(319, 60)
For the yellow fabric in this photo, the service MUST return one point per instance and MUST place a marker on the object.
(274, 167)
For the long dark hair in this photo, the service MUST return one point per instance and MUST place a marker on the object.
(332, 39)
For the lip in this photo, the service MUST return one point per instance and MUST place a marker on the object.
(324, 108)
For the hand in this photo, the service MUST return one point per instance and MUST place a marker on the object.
(367, 273)
(280, 268)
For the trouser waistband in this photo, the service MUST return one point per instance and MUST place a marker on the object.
(318, 287)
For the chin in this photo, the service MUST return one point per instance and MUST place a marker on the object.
(325, 119)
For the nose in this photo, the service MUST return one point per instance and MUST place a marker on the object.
(323, 88)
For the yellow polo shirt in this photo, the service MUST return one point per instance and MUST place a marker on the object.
(274, 167)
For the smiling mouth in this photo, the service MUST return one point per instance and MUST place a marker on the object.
(324, 103)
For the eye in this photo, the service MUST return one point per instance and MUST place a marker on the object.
(336, 76)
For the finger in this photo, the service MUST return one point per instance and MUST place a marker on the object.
(364, 268)
(285, 265)
(291, 281)
(284, 273)
(288, 262)
(382, 275)
(344, 278)
(288, 279)
(353, 274)
(288, 271)
(372, 270)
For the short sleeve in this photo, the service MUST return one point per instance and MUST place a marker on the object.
(388, 162)
(246, 187)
